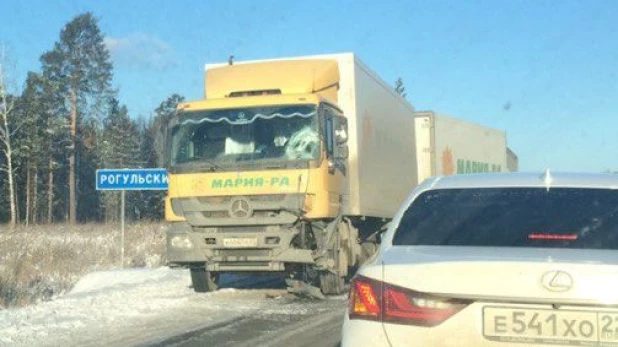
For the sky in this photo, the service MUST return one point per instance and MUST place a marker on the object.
(546, 72)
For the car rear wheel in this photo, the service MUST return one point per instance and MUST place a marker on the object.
(203, 281)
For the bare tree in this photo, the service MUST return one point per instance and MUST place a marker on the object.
(7, 130)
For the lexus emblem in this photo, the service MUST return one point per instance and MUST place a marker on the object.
(241, 208)
(557, 281)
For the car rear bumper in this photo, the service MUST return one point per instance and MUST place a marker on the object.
(465, 328)
(357, 332)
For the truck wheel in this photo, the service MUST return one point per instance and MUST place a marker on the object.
(331, 283)
(203, 281)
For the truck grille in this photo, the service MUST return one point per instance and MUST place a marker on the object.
(272, 198)
(231, 229)
(214, 200)
(216, 214)
(239, 210)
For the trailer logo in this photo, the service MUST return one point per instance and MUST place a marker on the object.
(447, 162)
(240, 208)
(465, 166)
(473, 166)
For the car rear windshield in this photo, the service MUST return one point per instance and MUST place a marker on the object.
(512, 217)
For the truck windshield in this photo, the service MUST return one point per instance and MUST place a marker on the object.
(221, 138)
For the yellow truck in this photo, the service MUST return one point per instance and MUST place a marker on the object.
(288, 165)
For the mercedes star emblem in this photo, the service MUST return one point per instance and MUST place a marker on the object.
(240, 208)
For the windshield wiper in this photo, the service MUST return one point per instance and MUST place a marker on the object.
(276, 166)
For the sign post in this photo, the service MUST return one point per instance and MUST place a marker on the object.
(130, 179)
(122, 228)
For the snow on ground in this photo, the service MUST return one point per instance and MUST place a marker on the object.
(127, 307)
(43, 262)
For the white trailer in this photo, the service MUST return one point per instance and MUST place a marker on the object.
(447, 146)
(380, 123)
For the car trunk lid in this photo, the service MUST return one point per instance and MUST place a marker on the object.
(505, 274)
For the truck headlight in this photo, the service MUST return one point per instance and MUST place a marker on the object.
(181, 241)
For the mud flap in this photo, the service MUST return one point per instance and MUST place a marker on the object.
(202, 280)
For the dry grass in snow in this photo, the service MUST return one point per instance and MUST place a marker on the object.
(39, 263)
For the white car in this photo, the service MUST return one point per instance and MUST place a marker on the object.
(507, 259)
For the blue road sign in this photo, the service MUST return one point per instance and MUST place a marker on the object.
(132, 179)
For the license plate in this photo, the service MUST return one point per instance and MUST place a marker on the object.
(240, 242)
(568, 327)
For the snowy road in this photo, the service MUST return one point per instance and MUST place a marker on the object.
(156, 307)
(289, 322)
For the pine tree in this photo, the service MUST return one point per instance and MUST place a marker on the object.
(87, 164)
(158, 127)
(120, 138)
(119, 148)
(154, 133)
(34, 109)
(80, 70)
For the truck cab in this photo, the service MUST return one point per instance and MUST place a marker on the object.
(257, 171)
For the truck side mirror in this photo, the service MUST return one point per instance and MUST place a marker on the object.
(343, 152)
(341, 135)
(341, 130)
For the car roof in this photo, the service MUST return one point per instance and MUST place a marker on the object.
(545, 179)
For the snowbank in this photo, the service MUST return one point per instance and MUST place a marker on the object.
(125, 307)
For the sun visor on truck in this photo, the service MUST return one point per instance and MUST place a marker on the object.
(319, 76)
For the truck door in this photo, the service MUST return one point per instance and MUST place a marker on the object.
(336, 150)
(335, 139)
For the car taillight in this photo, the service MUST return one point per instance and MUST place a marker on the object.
(405, 306)
(374, 300)
(364, 300)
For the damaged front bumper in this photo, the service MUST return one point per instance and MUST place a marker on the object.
(262, 248)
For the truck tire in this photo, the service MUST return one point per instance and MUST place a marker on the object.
(331, 284)
(203, 281)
